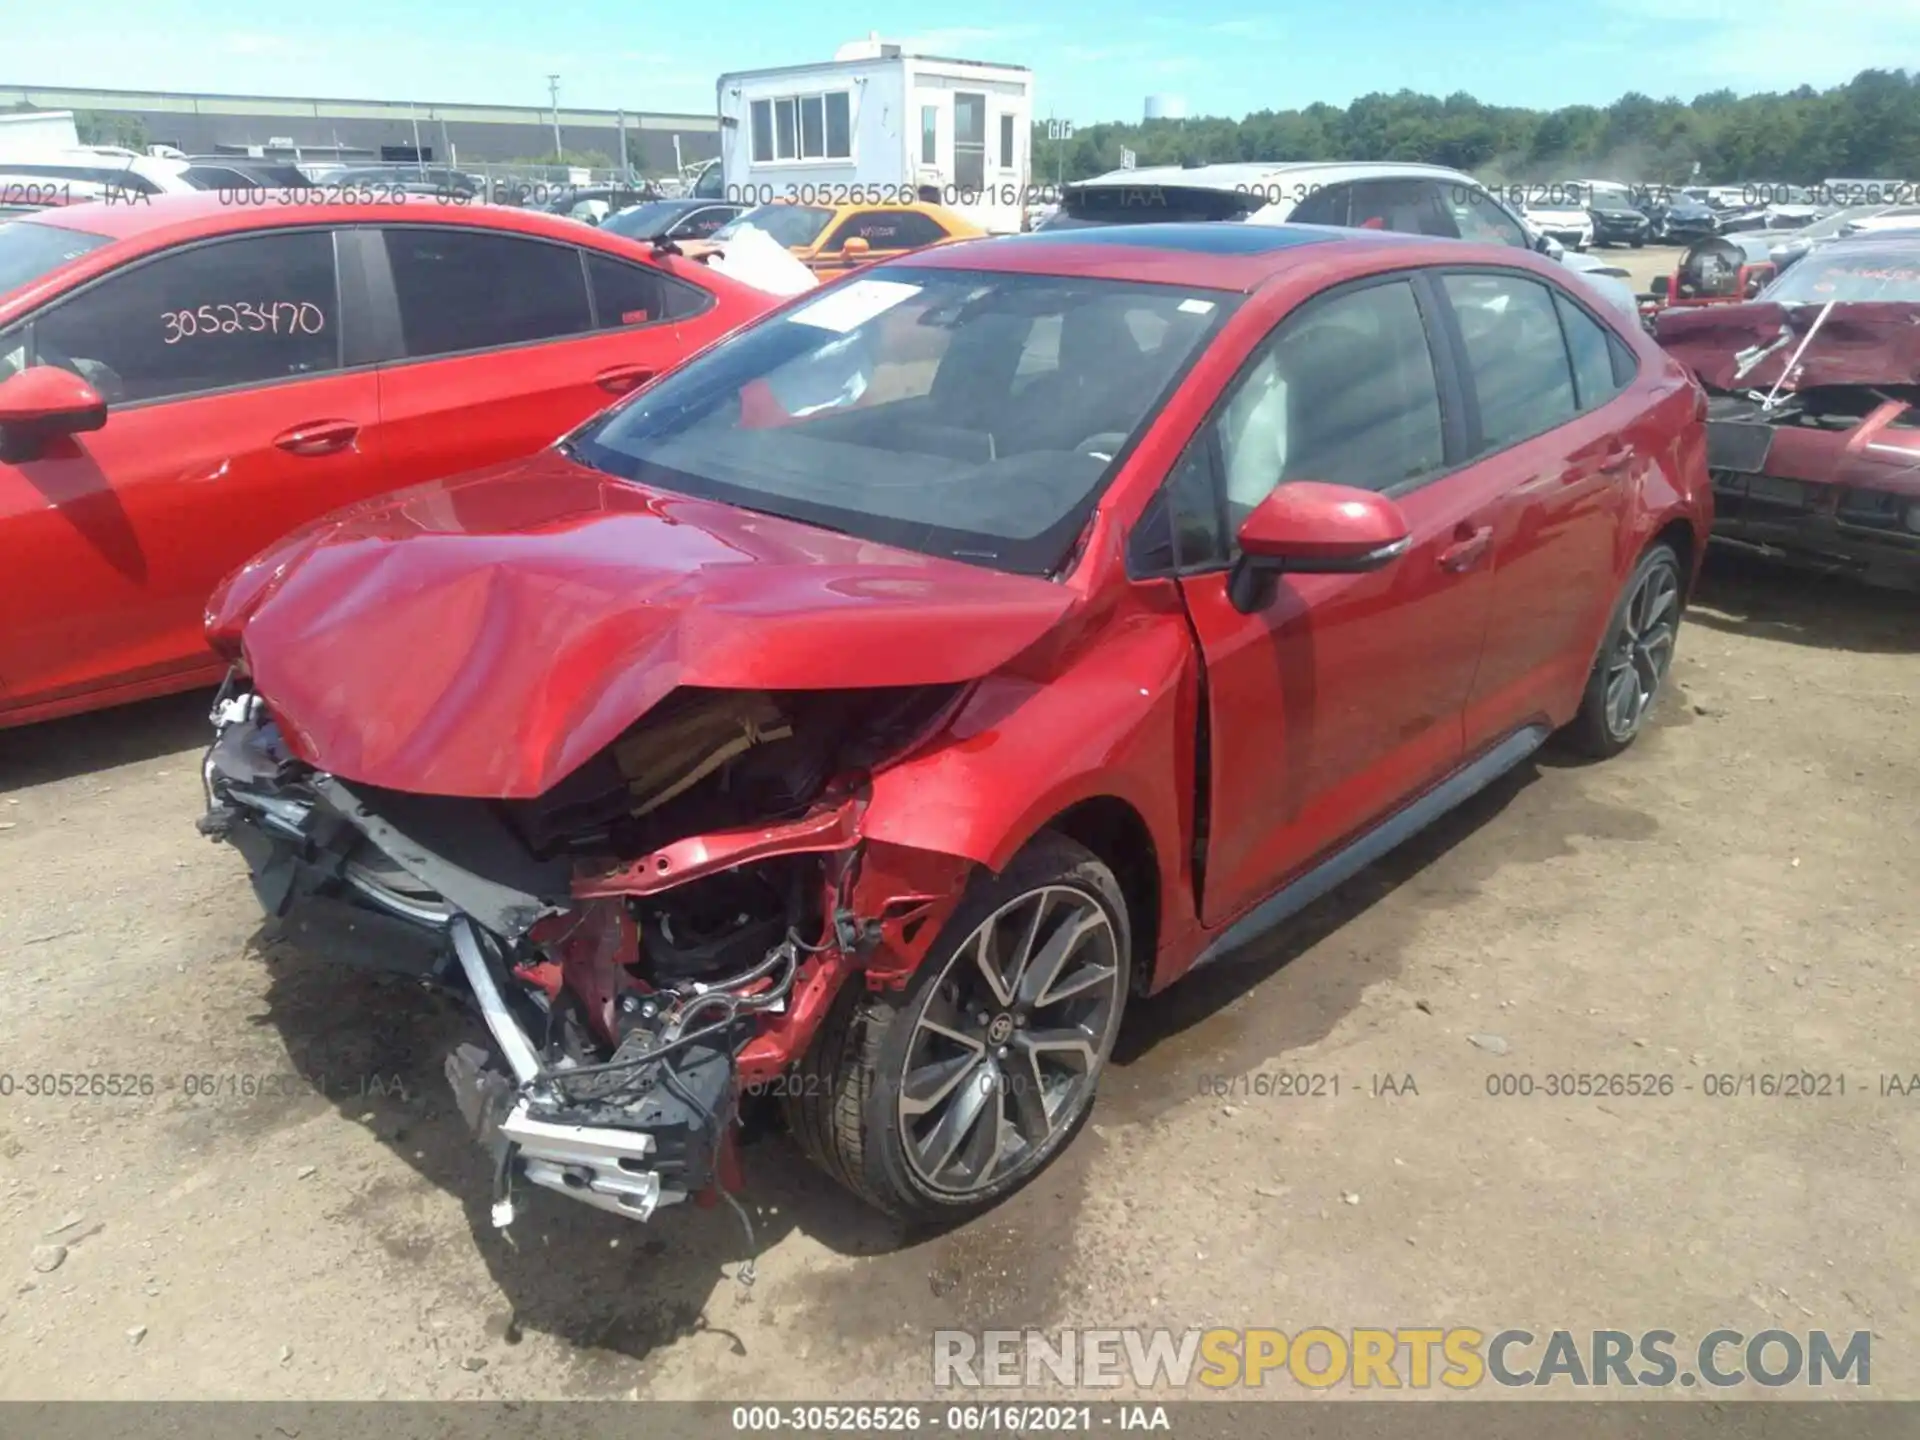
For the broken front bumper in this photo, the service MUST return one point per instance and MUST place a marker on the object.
(317, 851)
(1836, 499)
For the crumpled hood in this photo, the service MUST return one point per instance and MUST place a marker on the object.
(486, 635)
(1747, 346)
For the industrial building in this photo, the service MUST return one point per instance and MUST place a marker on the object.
(881, 116)
(385, 130)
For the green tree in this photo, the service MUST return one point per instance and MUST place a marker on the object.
(1869, 127)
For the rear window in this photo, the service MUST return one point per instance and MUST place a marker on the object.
(29, 251)
(1151, 205)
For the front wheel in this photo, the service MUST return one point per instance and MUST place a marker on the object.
(939, 1102)
(1633, 659)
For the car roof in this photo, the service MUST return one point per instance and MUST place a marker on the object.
(167, 219)
(1244, 175)
(157, 222)
(1200, 254)
(1876, 242)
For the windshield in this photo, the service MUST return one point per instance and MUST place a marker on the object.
(1887, 274)
(643, 222)
(792, 225)
(28, 250)
(968, 414)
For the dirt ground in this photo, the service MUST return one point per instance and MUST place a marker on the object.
(1735, 894)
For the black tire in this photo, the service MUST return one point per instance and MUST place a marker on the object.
(1638, 244)
(1596, 729)
(844, 1105)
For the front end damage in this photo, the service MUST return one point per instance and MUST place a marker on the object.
(657, 935)
(1813, 431)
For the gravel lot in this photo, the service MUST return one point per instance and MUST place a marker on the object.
(1734, 895)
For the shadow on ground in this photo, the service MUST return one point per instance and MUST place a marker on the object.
(1743, 594)
(56, 750)
(618, 1291)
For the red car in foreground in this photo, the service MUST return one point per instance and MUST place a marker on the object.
(872, 708)
(185, 378)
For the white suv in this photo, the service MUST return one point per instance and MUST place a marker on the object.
(1375, 195)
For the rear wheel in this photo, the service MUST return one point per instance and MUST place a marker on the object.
(939, 1102)
(1634, 658)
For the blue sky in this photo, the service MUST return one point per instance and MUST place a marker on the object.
(1090, 63)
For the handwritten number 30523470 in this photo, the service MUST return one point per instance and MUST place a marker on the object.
(278, 317)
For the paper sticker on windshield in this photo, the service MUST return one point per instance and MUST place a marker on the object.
(1196, 307)
(852, 305)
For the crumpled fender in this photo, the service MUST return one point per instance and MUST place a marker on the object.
(1118, 720)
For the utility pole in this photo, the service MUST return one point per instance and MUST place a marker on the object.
(626, 174)
(553, 90)
(414, 111)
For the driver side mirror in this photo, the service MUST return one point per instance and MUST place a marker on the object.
(1306, 527)
(42, 402)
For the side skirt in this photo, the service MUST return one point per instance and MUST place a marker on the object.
(1361, 852)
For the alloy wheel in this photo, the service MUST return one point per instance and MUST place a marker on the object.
(1642, 650)
(1007, 1049)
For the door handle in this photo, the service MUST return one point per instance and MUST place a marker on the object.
(1617, 460)
(622, 378)
(318, 437)
(1466, 553)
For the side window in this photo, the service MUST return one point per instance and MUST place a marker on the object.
(1626, 365)
(473, 290)
(13, 352)
(1408, 207)
(1180, 528)
(1478, 216)
(625, 294)
(1344, 392)
(1327, 206)
(888, 230)
(234, 312)
(1591, 349)
(1515, 355)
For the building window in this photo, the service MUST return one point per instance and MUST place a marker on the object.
(813, 128)
(762, 131)
(929, 134)
(803, 127)
(970, 141)
(786, 128)
(1006, 143)
(839, 126)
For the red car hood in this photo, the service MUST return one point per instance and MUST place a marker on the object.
(487, 635)
(1747, 346)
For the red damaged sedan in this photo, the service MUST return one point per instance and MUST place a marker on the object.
(872, 708)
(184, 379)
(1813, 432)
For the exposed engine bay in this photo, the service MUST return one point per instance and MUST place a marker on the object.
(664, 926)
